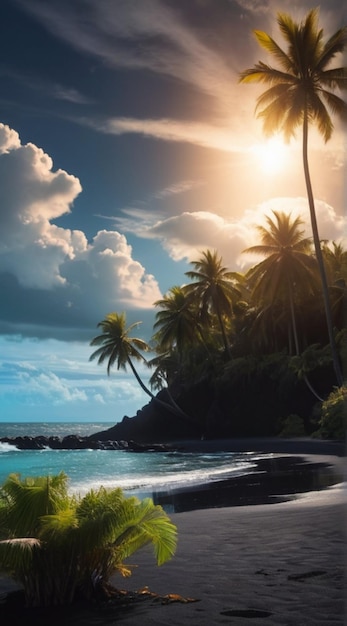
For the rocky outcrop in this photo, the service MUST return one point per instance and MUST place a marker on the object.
(75, 442)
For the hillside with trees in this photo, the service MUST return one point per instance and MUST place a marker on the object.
(258, 353)
(238, 354)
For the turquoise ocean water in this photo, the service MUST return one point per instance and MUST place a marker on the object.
(139, 474)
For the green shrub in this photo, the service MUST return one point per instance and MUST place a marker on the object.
(333, 421)
(59, 546)
(292, 426)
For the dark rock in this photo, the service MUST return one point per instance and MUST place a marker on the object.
(54, 443)
(24, 443)
(134, 446)
(75, 442)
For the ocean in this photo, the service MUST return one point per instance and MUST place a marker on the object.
(144, 474)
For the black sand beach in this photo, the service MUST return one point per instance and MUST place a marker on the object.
(275, 564)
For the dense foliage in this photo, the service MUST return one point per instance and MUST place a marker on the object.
(259, 347)
(333, 421)
(240, 358)
(60, 547)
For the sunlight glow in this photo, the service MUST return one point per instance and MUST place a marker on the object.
(272, 155)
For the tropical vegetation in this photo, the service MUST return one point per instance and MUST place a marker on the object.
(237, 353)
(117, 346)
(62, 547)
(240, 363)
(333, 420)
(302, 92)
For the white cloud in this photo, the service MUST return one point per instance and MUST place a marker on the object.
(42, 255)
(185, 236)
(197, 133)
(111, 267)
(9, 139)
(37, 375)
(30, 246)
(181, 187)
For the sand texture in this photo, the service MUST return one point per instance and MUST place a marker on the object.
(281, 564)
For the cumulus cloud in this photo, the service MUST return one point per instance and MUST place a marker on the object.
(30, 246)
(185, 236)
(9, 139)
(72, 276)
(110, 265)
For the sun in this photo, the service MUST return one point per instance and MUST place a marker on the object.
(272, 155)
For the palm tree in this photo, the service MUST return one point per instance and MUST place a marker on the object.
(116, 346)
(176, 324)
(301, 92)
(335, 258)
(213, 290)
(288, 268)
(57, 546)
(178, 328)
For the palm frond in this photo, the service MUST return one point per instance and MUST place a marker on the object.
(336, 104)
(264, 73)
(336, 77)
(273, 48)
(318, 113)
(335, 45)
(17, 554)
(150, 524)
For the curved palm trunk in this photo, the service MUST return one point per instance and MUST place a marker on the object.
(319, 255)
(175, 410)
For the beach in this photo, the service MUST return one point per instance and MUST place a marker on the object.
(284, 562)
(274, 564)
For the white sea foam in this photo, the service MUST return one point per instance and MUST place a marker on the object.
(167, 481)
(7, 447)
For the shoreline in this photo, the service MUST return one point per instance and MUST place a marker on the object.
(282, 564)
(286, 560)
(297, 445)
(280, 478)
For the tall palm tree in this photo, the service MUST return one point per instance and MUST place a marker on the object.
(301, 92)
(117, 346)
(213, 290)
(288, 269)
(57, 546)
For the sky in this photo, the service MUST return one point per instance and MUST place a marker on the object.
(127, 148)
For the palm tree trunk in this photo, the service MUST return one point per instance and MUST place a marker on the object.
(296, 340)
(175, 410)
(319, 255)
(224, 335)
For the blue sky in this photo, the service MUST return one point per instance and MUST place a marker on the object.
(127, 147)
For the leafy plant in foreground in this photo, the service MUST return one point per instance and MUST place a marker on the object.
(59, 546)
